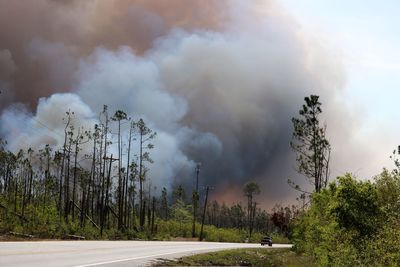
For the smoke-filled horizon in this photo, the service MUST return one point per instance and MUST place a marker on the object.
(219, 83)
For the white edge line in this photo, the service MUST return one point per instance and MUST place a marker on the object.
(149, 256)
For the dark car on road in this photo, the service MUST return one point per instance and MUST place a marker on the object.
(266, 241)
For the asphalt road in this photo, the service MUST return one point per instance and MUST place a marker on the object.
(104, 253)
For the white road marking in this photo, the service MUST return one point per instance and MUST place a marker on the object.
(143, 257)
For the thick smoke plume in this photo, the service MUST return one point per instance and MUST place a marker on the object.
(46, 38)
(218, 82)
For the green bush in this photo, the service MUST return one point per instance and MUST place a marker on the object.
(352, 223)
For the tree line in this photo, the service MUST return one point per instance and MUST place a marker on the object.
(99, 179)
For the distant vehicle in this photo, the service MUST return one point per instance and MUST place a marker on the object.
(266, 241)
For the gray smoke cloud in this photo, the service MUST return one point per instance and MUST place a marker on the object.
(46, 38)
(220, 95)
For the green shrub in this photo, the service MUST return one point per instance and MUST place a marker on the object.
(352, 223)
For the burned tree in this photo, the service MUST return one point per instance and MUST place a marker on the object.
(119, 116)
(145, 136)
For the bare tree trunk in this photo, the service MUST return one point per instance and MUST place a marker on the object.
(141, 204)
(105, 210)
(253, 213)
(149, 208)
(82, 211)
(143, 218)
(47, 175)
(90, 190)
(133, 205)
(24, 194)
(67, 200)
(127, 175)
(102, 205)
(152, 215)
(30, 183)
(15, 194)
(120, 205)
(75, 172)
(62, 167)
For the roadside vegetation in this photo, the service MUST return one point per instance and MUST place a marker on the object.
(243, 257)
(347, 222)
(353, 223)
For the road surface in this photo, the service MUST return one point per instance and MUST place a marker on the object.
(104, 253)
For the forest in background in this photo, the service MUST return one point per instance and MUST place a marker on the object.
(97, 185)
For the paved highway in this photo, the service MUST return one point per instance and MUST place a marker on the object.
(103, 253)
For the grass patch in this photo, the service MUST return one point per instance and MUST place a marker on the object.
(243, 257)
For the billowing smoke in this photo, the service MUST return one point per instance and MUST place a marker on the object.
(217, 82)
(46, 38)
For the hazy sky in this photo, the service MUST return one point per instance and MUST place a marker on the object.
(366, 35)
